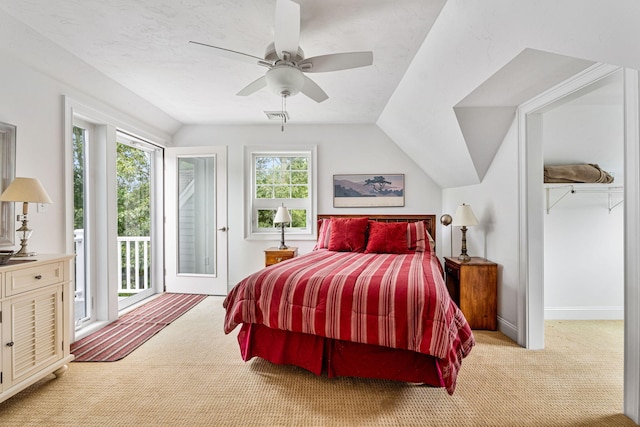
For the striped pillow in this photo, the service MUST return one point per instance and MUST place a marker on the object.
(324, 227)
(417, 236)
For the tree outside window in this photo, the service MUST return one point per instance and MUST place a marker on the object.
(281, 180)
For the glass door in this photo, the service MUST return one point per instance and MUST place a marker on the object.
(196, 220)
(118, 208)
(83, 295)
(135, 201)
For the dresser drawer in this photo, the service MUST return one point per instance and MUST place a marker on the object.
(27, 279)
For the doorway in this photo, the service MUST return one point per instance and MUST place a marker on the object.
(531, 211)
(584, 222)
(532, 202)
(196, 220)
(115, 211)
(137, 188)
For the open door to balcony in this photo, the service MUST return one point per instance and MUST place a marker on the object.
(117, 203)
(137, 187)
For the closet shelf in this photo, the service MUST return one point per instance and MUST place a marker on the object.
(556, 192)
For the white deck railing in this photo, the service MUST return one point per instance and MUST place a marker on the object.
(133, 264)
(134, 271)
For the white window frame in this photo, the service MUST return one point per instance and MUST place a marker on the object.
(252, 204)
(102, 210)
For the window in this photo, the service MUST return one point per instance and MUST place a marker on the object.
(281, 178)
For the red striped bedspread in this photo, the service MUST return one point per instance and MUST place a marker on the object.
(391, 300)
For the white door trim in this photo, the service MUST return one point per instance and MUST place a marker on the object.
(632, 247)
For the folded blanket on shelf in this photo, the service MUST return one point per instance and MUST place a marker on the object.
(588, 172)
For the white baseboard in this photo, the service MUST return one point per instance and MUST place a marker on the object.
(507, 328)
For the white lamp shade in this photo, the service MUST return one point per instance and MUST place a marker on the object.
(282, 215)
(464, 216)
(25, 190)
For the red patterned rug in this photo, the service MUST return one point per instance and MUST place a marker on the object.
(118, 339)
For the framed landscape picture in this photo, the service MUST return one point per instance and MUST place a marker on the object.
(364, 191)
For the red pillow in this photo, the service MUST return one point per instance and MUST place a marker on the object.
(348, 234)
(387, 238)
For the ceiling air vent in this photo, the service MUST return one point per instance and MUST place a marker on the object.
(282, 116)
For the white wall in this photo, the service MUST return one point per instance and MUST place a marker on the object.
(341, 149)
(495, 203)
(470, 41)
(583, 241)
(31, 99)
(33, 103)
(584, 259)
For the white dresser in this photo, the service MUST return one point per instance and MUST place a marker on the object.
(36, 309)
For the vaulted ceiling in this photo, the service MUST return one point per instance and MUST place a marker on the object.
(144, 45)
(446, 77)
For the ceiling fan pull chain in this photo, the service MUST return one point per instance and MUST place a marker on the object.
(284, 112)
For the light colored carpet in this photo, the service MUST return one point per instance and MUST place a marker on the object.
(191, 374)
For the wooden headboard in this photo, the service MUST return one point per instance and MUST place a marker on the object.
(429, 220)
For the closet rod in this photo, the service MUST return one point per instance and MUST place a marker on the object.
(570, 189)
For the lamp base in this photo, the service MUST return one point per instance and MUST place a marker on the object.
(24, 232)
(282, 245)
(463, 255)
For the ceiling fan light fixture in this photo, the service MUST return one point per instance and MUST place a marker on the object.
(286, 62)
(284, 80)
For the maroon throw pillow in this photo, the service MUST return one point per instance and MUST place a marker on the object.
(387, 238)
(348, 234)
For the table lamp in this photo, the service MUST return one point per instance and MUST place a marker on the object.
(282, 217)
(25, 190)
(464, 216)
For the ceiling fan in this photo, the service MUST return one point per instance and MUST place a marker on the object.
(285, 60)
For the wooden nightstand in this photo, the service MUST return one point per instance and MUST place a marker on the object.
(473, 285)
(275, 255)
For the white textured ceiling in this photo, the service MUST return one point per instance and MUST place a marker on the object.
(143, 45)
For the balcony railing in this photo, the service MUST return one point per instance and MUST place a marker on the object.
(133, 264)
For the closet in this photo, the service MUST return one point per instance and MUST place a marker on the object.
(583, 222)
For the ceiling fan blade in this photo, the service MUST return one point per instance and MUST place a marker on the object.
(286, 28)
(253, 87)
(232, 54)
(336, 62)
(313, 91)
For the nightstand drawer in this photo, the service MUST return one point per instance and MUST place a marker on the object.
(454, 272)
(275, 255)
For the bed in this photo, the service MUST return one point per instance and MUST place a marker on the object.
(369, 301)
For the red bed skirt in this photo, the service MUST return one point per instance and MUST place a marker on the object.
(337, 358)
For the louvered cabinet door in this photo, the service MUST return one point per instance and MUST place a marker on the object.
(35, 340)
